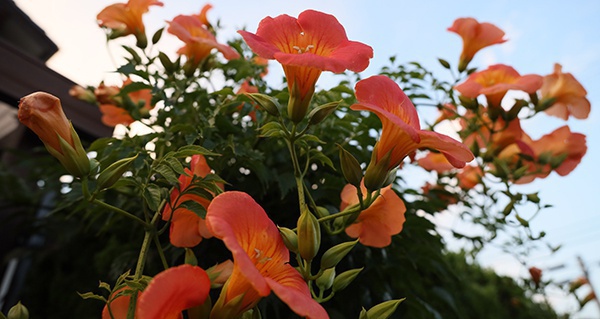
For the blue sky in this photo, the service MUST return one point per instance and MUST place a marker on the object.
(540, 33)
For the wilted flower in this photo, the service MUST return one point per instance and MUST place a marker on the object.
(126, 18)
(260, 259)
(476, 36)
(305, 47)
(568, 94)
(375, 225)
(495, 81)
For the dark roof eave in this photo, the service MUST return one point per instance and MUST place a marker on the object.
(21, 75)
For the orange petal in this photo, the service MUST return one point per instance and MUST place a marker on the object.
(172, 291)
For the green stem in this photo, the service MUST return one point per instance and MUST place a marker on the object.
(149, 234)
(161, 254)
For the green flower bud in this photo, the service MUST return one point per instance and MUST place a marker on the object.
(109, 176)
(344, 279)
(190, 258)
(319, 113)
(385, 309)
(376, 174)
(290, 239)
(309, 235)
(18, 311)
(325, 281)
(267, 103)
(350, 167)
(336, 253)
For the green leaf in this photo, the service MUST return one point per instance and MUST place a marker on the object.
(152, 195)
(91, 295)
(175, 165)
(134, 54)
(195, 207)
(190, 150)
(157, 35)
(167, 173)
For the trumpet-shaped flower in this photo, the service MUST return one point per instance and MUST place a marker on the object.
(187, 228)
(112, 106)
(560, 151)
(495, 81)
(375, 225)
(476, 36)
(490, 135)
(568, 93)
(260, 259)
(401, 133)
(126, 18)
(305, 47)
(166, 296)
(199, 41)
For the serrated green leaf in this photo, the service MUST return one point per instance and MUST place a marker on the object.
(175, 165)
(91, 295)
(152, 195)
(167, 173)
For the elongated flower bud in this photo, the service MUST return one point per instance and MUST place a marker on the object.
(43, 114)
(309, 235)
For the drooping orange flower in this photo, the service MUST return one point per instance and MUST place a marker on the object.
(469, 176)
(448, 111)
(111, 106)
(172, 291)
(187, 228)
(536, 275)
(495, 81)
(166, 296)
(569, 94)
(126, 18)
(560, 151)
(476, 36)
(43, 114)
(375, 225)
(488, 134)
(199, 41)
(401, 133)
(305, 47)
(260, 259)
(562, 142)
(435, 162)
